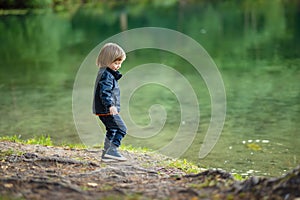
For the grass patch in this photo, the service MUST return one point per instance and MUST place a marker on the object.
(41, 140)
(9, 152)
(14, 138)
(130, 148)
(4, 153)
(239, 177)
(184, 165)
(73, 146)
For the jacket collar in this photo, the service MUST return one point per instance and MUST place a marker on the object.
(116, 74)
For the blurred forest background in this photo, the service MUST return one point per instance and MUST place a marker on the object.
(255, 44)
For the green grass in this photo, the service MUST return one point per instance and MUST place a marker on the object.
(239, 177)
(12, 139)
(130, 148)
(73, 146)
(41, 140)
(184, 165)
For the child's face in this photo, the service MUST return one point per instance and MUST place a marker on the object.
(116, 64)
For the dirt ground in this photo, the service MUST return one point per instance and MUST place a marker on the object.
(40, 172)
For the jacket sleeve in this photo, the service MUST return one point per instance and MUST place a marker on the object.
(106, 87)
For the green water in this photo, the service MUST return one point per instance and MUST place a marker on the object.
(254, 44)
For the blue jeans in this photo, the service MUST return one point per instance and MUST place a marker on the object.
(115, 128)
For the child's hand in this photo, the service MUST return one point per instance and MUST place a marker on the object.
(113, 110)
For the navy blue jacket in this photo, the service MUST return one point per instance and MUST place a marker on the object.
(107, 91)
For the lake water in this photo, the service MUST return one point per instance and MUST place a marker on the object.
(254, 44)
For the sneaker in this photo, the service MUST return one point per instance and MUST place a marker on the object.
(113, 153)
(107, 144)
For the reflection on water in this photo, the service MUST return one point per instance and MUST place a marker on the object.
(256, 52)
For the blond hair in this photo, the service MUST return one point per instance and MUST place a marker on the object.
(109, 53)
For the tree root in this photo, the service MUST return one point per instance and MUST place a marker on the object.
(31, 157)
